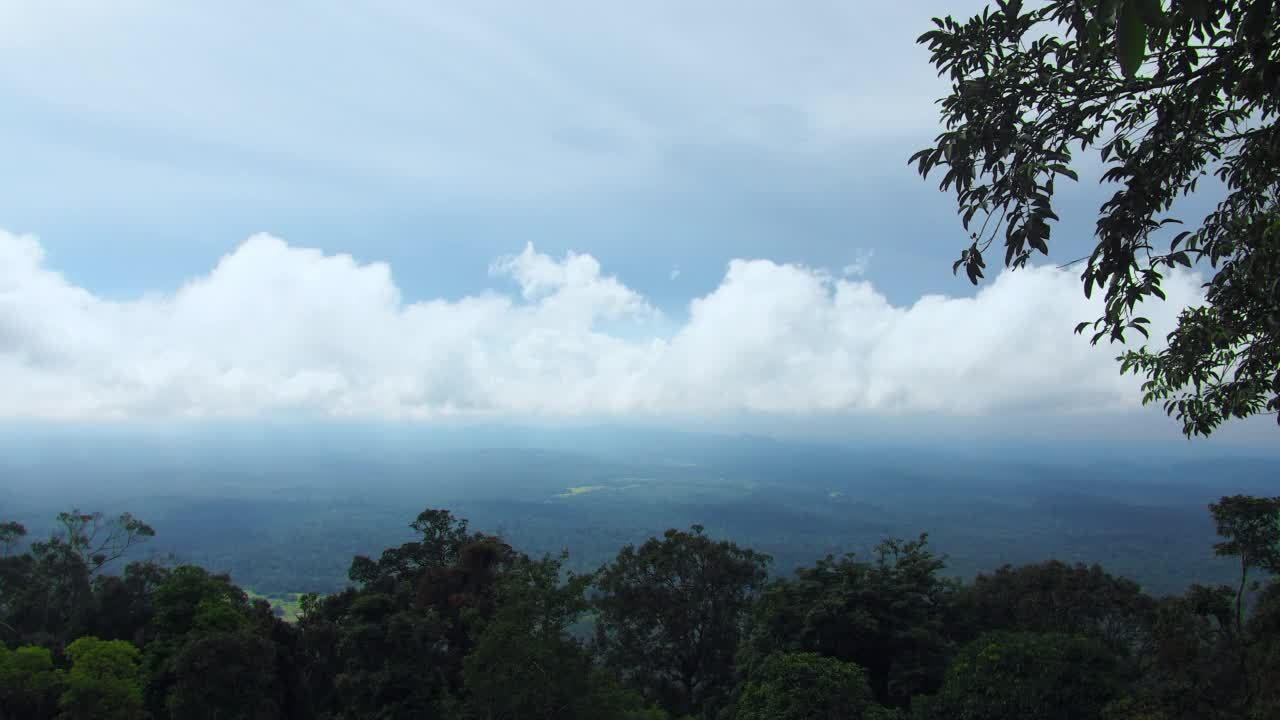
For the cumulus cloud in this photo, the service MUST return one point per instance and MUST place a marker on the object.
(861, 263)
(278, 328)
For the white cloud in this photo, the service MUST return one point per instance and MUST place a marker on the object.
(861, 262)
(278, 328)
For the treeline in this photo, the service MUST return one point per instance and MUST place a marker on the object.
(459, 625)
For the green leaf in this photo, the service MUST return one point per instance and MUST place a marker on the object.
(1131, 38)
(1064, 170)
(1153, 12)
(1197, 9)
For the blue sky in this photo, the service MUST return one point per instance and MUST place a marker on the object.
(153, 139)
(408, 209)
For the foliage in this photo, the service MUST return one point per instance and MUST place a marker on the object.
(11, 533)
(99, 540)
(800, 686)
(525, 665)
(887, 616)
(104, 682)
(396, 645)
(210, 657)
(1167, 93)
(122, 606)
(1055, 597)
(671, 615)
(1264, 653)
(28, 682)
(443, 538)
(460, 626)
(224, 675)
(1194, 673)
(1048, 676)
(1251, 526)
(47, 593)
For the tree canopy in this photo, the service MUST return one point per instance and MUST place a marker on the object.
(1166, 94)
(888, 615)
(671, 615)
(459, 625)
(800, 686)
(1012, 676)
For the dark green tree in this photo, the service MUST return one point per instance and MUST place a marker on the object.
(17, 596)
(1251, 528)
(670, 616)
(15, 573)
(395, 646)
(525, 665)
(211, 655)
(46, 593)
(97, 539)
(11, 533)
(225, 675)
(443, 539)
(889, 616)
(1166, 93)
(1015, 676)
(1264, 653)
(29, 683)
(122, 606)
(1191, 672)
(802, 686)
(1053, 596)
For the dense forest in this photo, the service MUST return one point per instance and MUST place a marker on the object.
(459, 624)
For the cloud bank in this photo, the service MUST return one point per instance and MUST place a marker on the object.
(276, 328)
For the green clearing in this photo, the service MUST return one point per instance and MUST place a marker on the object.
(285, 604)
(581, 490)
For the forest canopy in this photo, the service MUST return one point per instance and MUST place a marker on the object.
(458, 624)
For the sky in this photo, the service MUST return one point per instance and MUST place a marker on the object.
(417, 210)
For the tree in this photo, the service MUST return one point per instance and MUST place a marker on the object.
(526, 666)
(1166, 93)
(99, 540)
(11, 533)
(1264, 652)
(1014, 676)
(224, 675)
(443, 538)
(211, 655)
(28, 682)
(889, 616)
(1053, 596)
(801, 686)
(395, 646)
(671, 614)
(122, 606)
(1251, 526)
(1191, 672)
(104, 682)
(14, 572)
(46, 592)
